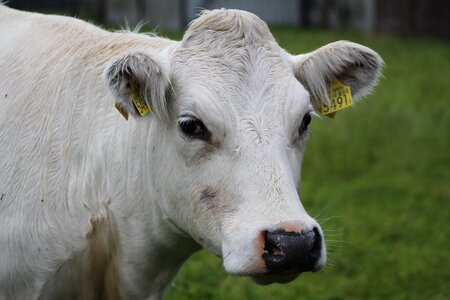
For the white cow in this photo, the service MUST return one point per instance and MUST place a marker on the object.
(94, 206)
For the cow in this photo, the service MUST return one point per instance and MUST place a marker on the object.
(123, 153)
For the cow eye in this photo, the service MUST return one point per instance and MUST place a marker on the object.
(305, 123)
(193, 128)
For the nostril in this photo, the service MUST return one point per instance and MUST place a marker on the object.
(317, 245)
(316, 250)
(271, 247)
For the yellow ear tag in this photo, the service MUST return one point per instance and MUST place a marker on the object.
(139, 103)
(340, 98)
(121, 110)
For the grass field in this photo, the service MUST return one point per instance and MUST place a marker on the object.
(378, 179)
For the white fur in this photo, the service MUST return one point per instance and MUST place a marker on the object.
(93, 206)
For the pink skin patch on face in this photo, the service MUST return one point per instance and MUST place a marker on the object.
(259, 265)
(296, 227)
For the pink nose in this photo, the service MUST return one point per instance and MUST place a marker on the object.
(287, 251)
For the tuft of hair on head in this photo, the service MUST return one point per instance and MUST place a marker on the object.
(137, 29)
(226, 24)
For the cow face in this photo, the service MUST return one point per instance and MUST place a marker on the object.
(233, 130)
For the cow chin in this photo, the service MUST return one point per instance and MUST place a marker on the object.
(266, 279)
(256, 270)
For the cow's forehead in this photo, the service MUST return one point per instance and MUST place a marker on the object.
(249, 78)
(247, 67)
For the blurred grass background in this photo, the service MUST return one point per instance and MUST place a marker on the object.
(377, 177)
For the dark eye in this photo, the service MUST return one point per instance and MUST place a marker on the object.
(305, 123)
(193, 128)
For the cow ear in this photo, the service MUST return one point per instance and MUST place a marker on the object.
(352, 64)
(139, 81)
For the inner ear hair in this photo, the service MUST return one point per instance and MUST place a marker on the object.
(150, 74)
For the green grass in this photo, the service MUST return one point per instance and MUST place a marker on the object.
(377, 176)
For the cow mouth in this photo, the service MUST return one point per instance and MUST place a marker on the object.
(265, 279)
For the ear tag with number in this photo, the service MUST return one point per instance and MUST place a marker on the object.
(340, 98)
(139, 103)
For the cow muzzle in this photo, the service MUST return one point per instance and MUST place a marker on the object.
(287, 253)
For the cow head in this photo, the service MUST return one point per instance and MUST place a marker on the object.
(232, 129)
